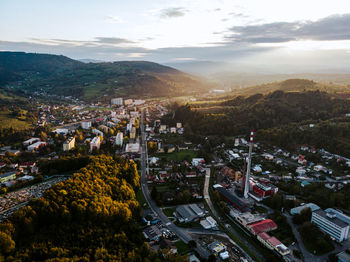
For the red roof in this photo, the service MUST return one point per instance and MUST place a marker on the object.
(263, 226)
(264, 235)
(274, 241)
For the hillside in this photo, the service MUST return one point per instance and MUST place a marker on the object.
(63, 76)
(237, 116)
(289, 85)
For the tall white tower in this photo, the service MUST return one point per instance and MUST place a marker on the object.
(246, 181)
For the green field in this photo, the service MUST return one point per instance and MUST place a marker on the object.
(141, 198)
(8, 121)
(182, 247)
(179, 155)
(169, 212)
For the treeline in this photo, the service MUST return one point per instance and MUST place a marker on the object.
(239, 115)
(89, 217)
(62, 165)
(332, 135)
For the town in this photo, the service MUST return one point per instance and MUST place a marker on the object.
(230, 204)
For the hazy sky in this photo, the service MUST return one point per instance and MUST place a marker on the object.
(292, 34)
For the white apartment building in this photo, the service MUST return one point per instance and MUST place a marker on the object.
(69, 144)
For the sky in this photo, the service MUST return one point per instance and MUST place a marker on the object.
(269, 35)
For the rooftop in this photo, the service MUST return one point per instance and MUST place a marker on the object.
(332, 219)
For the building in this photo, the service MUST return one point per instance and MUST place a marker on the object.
(69, 144)
(197, 161)
(247, 218)
(61, 131)
(217, 247)
(297, 210)
(86, 124)
(178, 125)
(31, 141)
(328, 223)
(133, 133)
(95, 143)
(343, 256)
(132, 148)
(152, 233)
(187, 213)
(233, 200)
(7, 177)
(128, 102)
(119, 139)
(36, 146)
(117, 101)
(264, 190)
(97, 132)
(262, 226)
(339, 215)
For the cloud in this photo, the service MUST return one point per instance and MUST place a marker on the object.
(113, 40)
(114, 19)
(173, 12)
(335, 27)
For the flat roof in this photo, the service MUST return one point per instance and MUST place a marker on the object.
(334, 220)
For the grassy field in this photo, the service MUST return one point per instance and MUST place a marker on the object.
(169, 212)
(8, 121)
(182, 247)
(180, 155)
(141, 198)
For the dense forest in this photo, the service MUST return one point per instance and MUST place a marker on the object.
(92, 216)
(332, 135)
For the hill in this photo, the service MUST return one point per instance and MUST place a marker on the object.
(292, 85)
(63, 76)
(238, 115)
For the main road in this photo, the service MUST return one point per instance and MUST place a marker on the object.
(180, 232)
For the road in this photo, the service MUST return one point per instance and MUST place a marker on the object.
(180, 232)
(217, 216)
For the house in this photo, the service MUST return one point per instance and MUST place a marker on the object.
(318, 168)
(300, 171)
(7, 176)
(304, 183)
(197, 161)
(2, 165)
(178, 125)
(268, 156)
(173, 130)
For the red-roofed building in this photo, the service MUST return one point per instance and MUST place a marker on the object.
(274, 241)
(262, 226)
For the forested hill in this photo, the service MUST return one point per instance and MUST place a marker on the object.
(237, 116)
(63, 76)
(17, 65)
(292, 85)
(92, 216)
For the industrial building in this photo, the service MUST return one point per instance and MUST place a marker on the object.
(152, 233)
(273, 243)
(262, 226)
(329, 223)
(188, 213)
(297, 210)
(208, 223)
(69, 144)
(233, 200)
